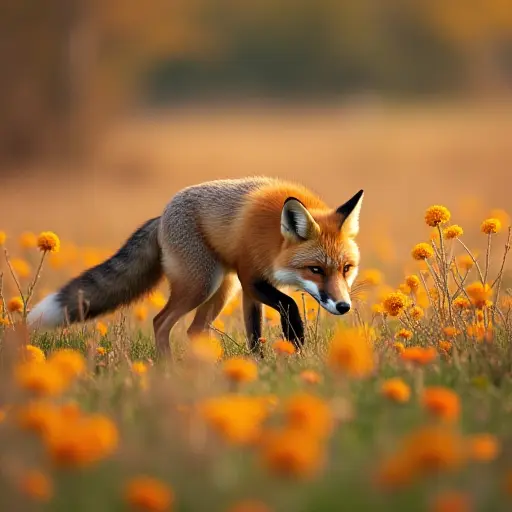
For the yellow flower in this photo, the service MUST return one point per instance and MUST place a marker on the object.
(4, 321)
(141, 313)
(139, 368)
(419, 355)
(445, 346)
(394, 303)
(40, 378)
(416, 313)
(310, 414)
(147, 493)
(82, 441)
(283, 347)
(350, 353)
(15, 305)
(479, 294)
(399, 346)
(291, 453)
(442, 402)
(3, 238)
(372, 276)
(28, 240)
(436, 215)
(36, 485)
(404, 333)
(484, 447)
(461, 303)
(451, 501)
(101, 328)
(32, 353)
(70, 363)
(207, 349)
(491, 226)
(239, 369)
(465, 262)
(422, 251)
(236, 418)
(396, 389)
(412, 281)
(101, 351)
(21, 268)
(48, 241)
(310, 377)
(452, 232)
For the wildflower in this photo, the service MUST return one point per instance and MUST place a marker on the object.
(141, 313)
(465, 262)
(48, 241)
(21, 267)
(291, 453)
(442, 402)
(3, 238)
(412, 281)
(249, 506)
(422, 251)
(419, 355)
(452, 232)
(32, 353)
(372, 276)
(70, 363)
(396, 389)
(451, 501)
(39, 378)
(404, 334)
(378, 308)
(491, 226)
(394, 303)
(479, 294)
(451, 331)
(310, 414)
(461, 303)
(484, 447)
(445, 346)
(101, 328)
(36, 485)
(4, 321)
(416, 313)
(101, 351)
(15, 305)
(350, 353)
(310, 377)
(139, 368)
(82, 442)
(283, 347)
(147, 493)
(436, 215)
(238, 369)
(27, 240)
(236, 418)
(262, 340)
(399, 346)
(207, 349)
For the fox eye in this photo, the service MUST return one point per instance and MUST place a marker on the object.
(317, 270)
(347, 267)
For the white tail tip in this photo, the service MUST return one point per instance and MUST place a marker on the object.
(47, 313)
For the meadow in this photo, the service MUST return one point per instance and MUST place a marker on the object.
(403, 404)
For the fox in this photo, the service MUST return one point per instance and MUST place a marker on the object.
(214, 239)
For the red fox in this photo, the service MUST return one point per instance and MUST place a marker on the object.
(260, 233)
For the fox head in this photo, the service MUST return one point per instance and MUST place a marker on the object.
(319, 253)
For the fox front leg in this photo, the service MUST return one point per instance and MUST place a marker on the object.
(291, 322)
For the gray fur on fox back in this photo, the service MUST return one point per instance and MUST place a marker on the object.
(135, 269)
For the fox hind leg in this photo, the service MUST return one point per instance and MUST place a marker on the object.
(253, 319)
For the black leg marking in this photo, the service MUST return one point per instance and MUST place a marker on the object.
(291, 322)
(253, 322)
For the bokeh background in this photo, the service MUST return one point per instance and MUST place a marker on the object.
(107, 108)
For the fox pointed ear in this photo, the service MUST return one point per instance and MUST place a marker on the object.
(297, 224)
(349, 215)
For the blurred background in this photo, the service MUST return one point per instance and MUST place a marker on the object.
(107, 108)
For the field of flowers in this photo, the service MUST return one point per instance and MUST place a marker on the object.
(404, 404)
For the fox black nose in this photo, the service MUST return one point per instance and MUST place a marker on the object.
(343, 307)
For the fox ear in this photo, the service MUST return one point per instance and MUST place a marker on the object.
(297, 224)
(349, 215)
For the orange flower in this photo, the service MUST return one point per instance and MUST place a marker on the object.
(101, 351)
(147, 493)
(310, 414)
(396, 389)
(451, 501)
(239, 369)
(310, 377)
(15, 305)
(283, 347)
(32, 353)
(404, 333)
(36, 485)
(40, 378)
(442, 402)
(399, 347)
(21, 268)
(395, 472)
(452, 232)
(372, 276)
(141, 313)
(451, 331)
(206, 349)
(3, 238)
(484, 447)
(461, 303)
(436, 215)
(394, 303)
(412, 281)
(419, 355)
(291, 453)
(491, 226)
(422, 251)
(68, 362)
(48, 241)
(350, 353)
(479, 294)
(445, 346)
(28, 240)
(101, 328)
(416, 313)
(465, 262)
